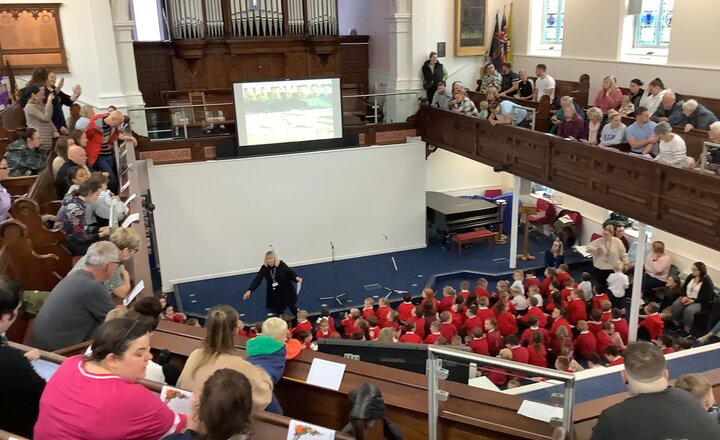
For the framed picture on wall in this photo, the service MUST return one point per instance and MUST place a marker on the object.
(470, 23)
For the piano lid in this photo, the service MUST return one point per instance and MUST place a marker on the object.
(448, 205)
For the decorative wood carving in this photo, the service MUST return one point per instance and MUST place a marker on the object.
(30, 36)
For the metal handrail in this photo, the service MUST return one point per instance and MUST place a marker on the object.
(380, 94)
(180, 106)
(703, 157)
(435, 372)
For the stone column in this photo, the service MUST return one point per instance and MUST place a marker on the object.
(403, 75)
(123, 26)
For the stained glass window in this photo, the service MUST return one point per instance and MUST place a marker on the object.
(653, 23)
(553, 20)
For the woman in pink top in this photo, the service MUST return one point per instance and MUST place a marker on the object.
(98, 397)
(594, 125)
(610, 96)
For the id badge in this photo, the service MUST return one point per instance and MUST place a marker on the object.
(275, 284)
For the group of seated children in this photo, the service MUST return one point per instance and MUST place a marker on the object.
(554, 322)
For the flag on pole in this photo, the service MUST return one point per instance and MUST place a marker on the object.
(496, 47)
(507, 25)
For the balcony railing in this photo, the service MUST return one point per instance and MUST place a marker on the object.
(215, 19)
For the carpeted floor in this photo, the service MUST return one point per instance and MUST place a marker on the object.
(360, 278)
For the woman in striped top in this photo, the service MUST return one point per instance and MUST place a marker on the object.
(672, 147)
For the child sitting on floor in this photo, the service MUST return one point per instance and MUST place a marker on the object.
(303, 324)
(368, 307)
(382, 311)
(323, 329)
(481, 288)
(434, 333)
(405, 309)
(373, 327)
(410, 336)
(479, 343)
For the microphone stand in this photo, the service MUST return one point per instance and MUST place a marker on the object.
(336, 296)
(394, 269)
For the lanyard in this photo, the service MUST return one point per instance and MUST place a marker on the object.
(272, 273)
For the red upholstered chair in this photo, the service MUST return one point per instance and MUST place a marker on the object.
(492, 193)
(545, 215)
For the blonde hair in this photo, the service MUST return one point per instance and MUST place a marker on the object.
(126, 238)
(506, 354)
(612, 113)
(695, 384)
(276, 260)
(219, 339)
(613, 81)
(594, 111)
(276, 328)
(87, 111)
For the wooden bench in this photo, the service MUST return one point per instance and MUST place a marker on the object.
(471, 237)
(579, 90)
(542, 108)
(18, 186)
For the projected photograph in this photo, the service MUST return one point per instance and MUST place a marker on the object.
(288, 111)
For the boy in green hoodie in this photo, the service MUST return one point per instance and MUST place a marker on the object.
(268, 352)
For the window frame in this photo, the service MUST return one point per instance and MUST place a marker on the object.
(560, 24)
(658, 30)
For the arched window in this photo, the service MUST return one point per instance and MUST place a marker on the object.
(653, 24)
(553, 21)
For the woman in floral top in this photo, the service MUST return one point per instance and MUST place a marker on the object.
(490, 78)
(71, 219)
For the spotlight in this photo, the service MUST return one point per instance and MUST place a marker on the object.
(500, 168)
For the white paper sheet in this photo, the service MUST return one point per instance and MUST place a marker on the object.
(540, 411)
(130, 219)
(298, 286)
(298, 430)
(130, 199)
(583, 250)
(484, 383)
(138, 288)
(176, 399)
(44, 369)
(326, 374)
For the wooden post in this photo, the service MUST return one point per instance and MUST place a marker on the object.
(526, 210)
(306, 29)
(227, 19)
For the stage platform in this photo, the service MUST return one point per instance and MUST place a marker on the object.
(359, 278)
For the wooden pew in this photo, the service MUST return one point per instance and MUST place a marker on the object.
(32, 270)
(694, 139)
(44, 240)
(577, 89)
(18, 186)
(44, 193)
(266, 426)
(542, 108)
(470, 413)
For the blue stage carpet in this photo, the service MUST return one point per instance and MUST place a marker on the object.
(416, 270)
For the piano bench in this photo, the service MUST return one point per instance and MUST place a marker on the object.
(472, 237)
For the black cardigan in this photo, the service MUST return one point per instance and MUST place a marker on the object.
(706, 293)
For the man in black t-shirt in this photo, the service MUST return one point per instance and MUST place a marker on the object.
(654, 410)
(510, 80)
(20, 384)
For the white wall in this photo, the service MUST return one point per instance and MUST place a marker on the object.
(369, 17)
(593, 44)
(457, 175)
(218, 218)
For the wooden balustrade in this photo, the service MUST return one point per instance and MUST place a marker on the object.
(681, 201)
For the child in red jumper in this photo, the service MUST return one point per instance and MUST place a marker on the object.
(303, 324)
(652, 323)
(434, 333)
(464, 289)
(484, 311)
(519, 353)
(666, 344)
(568, 286)
(598, 297)
(392, 320)
(621, 325)
(526, 337)
(507, 324)
(534, 310)
(473, 320)
(368, 307)
(499, 376)
(595, 323)
(537, 351)
(562, 273)
(418, 318)
(325, 314)
(495, 339)
(559, 319)
(348, 323)
(612, 355)
(585, 342)
(410, 336)
(382, 311)
(605, 308)
(550, 276)
(373, 327)
(447, 330)
(323, 329)
(603, 338)
(458, 317)
(576, 307)
(501, 287)
(481, 288)
(240, 328)
(405, 309)
(429, 296)
(479, 343)
(531, 280)
(448, 299)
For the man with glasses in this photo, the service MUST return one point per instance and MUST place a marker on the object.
(78, 304)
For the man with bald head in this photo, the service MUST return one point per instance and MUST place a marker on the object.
(76, 158)
(102, 132)
(670, 109)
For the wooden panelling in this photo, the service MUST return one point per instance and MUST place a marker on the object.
(218, 64)
(681, 201)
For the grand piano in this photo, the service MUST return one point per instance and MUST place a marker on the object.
(452, 215)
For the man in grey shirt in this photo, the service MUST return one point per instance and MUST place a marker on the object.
(442, 98)
(78, 304)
